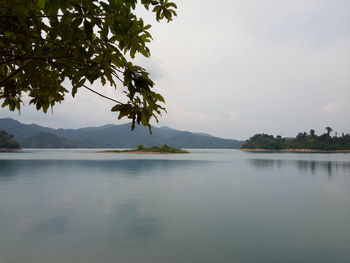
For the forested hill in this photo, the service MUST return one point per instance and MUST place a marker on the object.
(7, 141)
(110, 136)
(311, 141)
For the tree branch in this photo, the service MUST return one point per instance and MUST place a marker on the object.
(13, 73)
(106, 97)
(90, 89)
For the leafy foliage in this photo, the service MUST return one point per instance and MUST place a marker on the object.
(7, 142)
(45, 42)
(324, 142)
(263, 141)
(164, 149)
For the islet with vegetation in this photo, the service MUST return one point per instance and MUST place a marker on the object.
(7, 142)
(303, 141)
(154, 149)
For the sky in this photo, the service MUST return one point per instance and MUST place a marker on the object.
(234, 68)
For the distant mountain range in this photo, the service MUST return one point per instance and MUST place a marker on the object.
(110, 136)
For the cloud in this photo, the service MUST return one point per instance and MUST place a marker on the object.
(236, 68)
(196, 120)
(333, 107)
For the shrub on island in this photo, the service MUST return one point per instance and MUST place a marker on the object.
(154, 149)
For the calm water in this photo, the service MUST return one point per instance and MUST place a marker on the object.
(212, 206)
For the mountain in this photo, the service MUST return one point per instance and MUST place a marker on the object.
(48, 140)
(204, 134)
(110, 136)
(22, 131)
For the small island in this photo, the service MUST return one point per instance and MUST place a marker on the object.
(164, 149)
(7, 143)
(303, 142)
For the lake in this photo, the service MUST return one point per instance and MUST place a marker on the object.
(213, 206)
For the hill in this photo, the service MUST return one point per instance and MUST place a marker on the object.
(48, 140)
(114, 136)
(6, 141)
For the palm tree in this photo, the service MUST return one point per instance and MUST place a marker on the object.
(312, 132)
(329, 130)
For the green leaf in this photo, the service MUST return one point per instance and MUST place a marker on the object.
(77, 22)
(88, 29)
(104, 32)
(41, 3)
(167, 14)
(172, 4)
(52, 7)
(144, 117)
(103, 81)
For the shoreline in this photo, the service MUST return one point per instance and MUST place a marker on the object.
(9, 149)
(296, 150)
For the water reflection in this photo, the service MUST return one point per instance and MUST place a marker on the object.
(266, 163)
(140, 167)
(201, 211)
(330, 168)
(50, 226)
(137, 225)
(9, 169)
(70, 196)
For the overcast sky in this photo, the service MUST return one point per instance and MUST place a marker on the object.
(233, 68)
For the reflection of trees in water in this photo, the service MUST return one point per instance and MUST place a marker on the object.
(266, 163)
(10, 169)
(330, 167)
(141, 167)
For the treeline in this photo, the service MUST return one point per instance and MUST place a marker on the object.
(6, 141)
(303, 140)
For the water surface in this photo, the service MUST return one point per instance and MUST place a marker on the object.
(207, 206)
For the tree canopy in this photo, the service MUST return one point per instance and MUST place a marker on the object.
(324, 142)
(45, 42)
